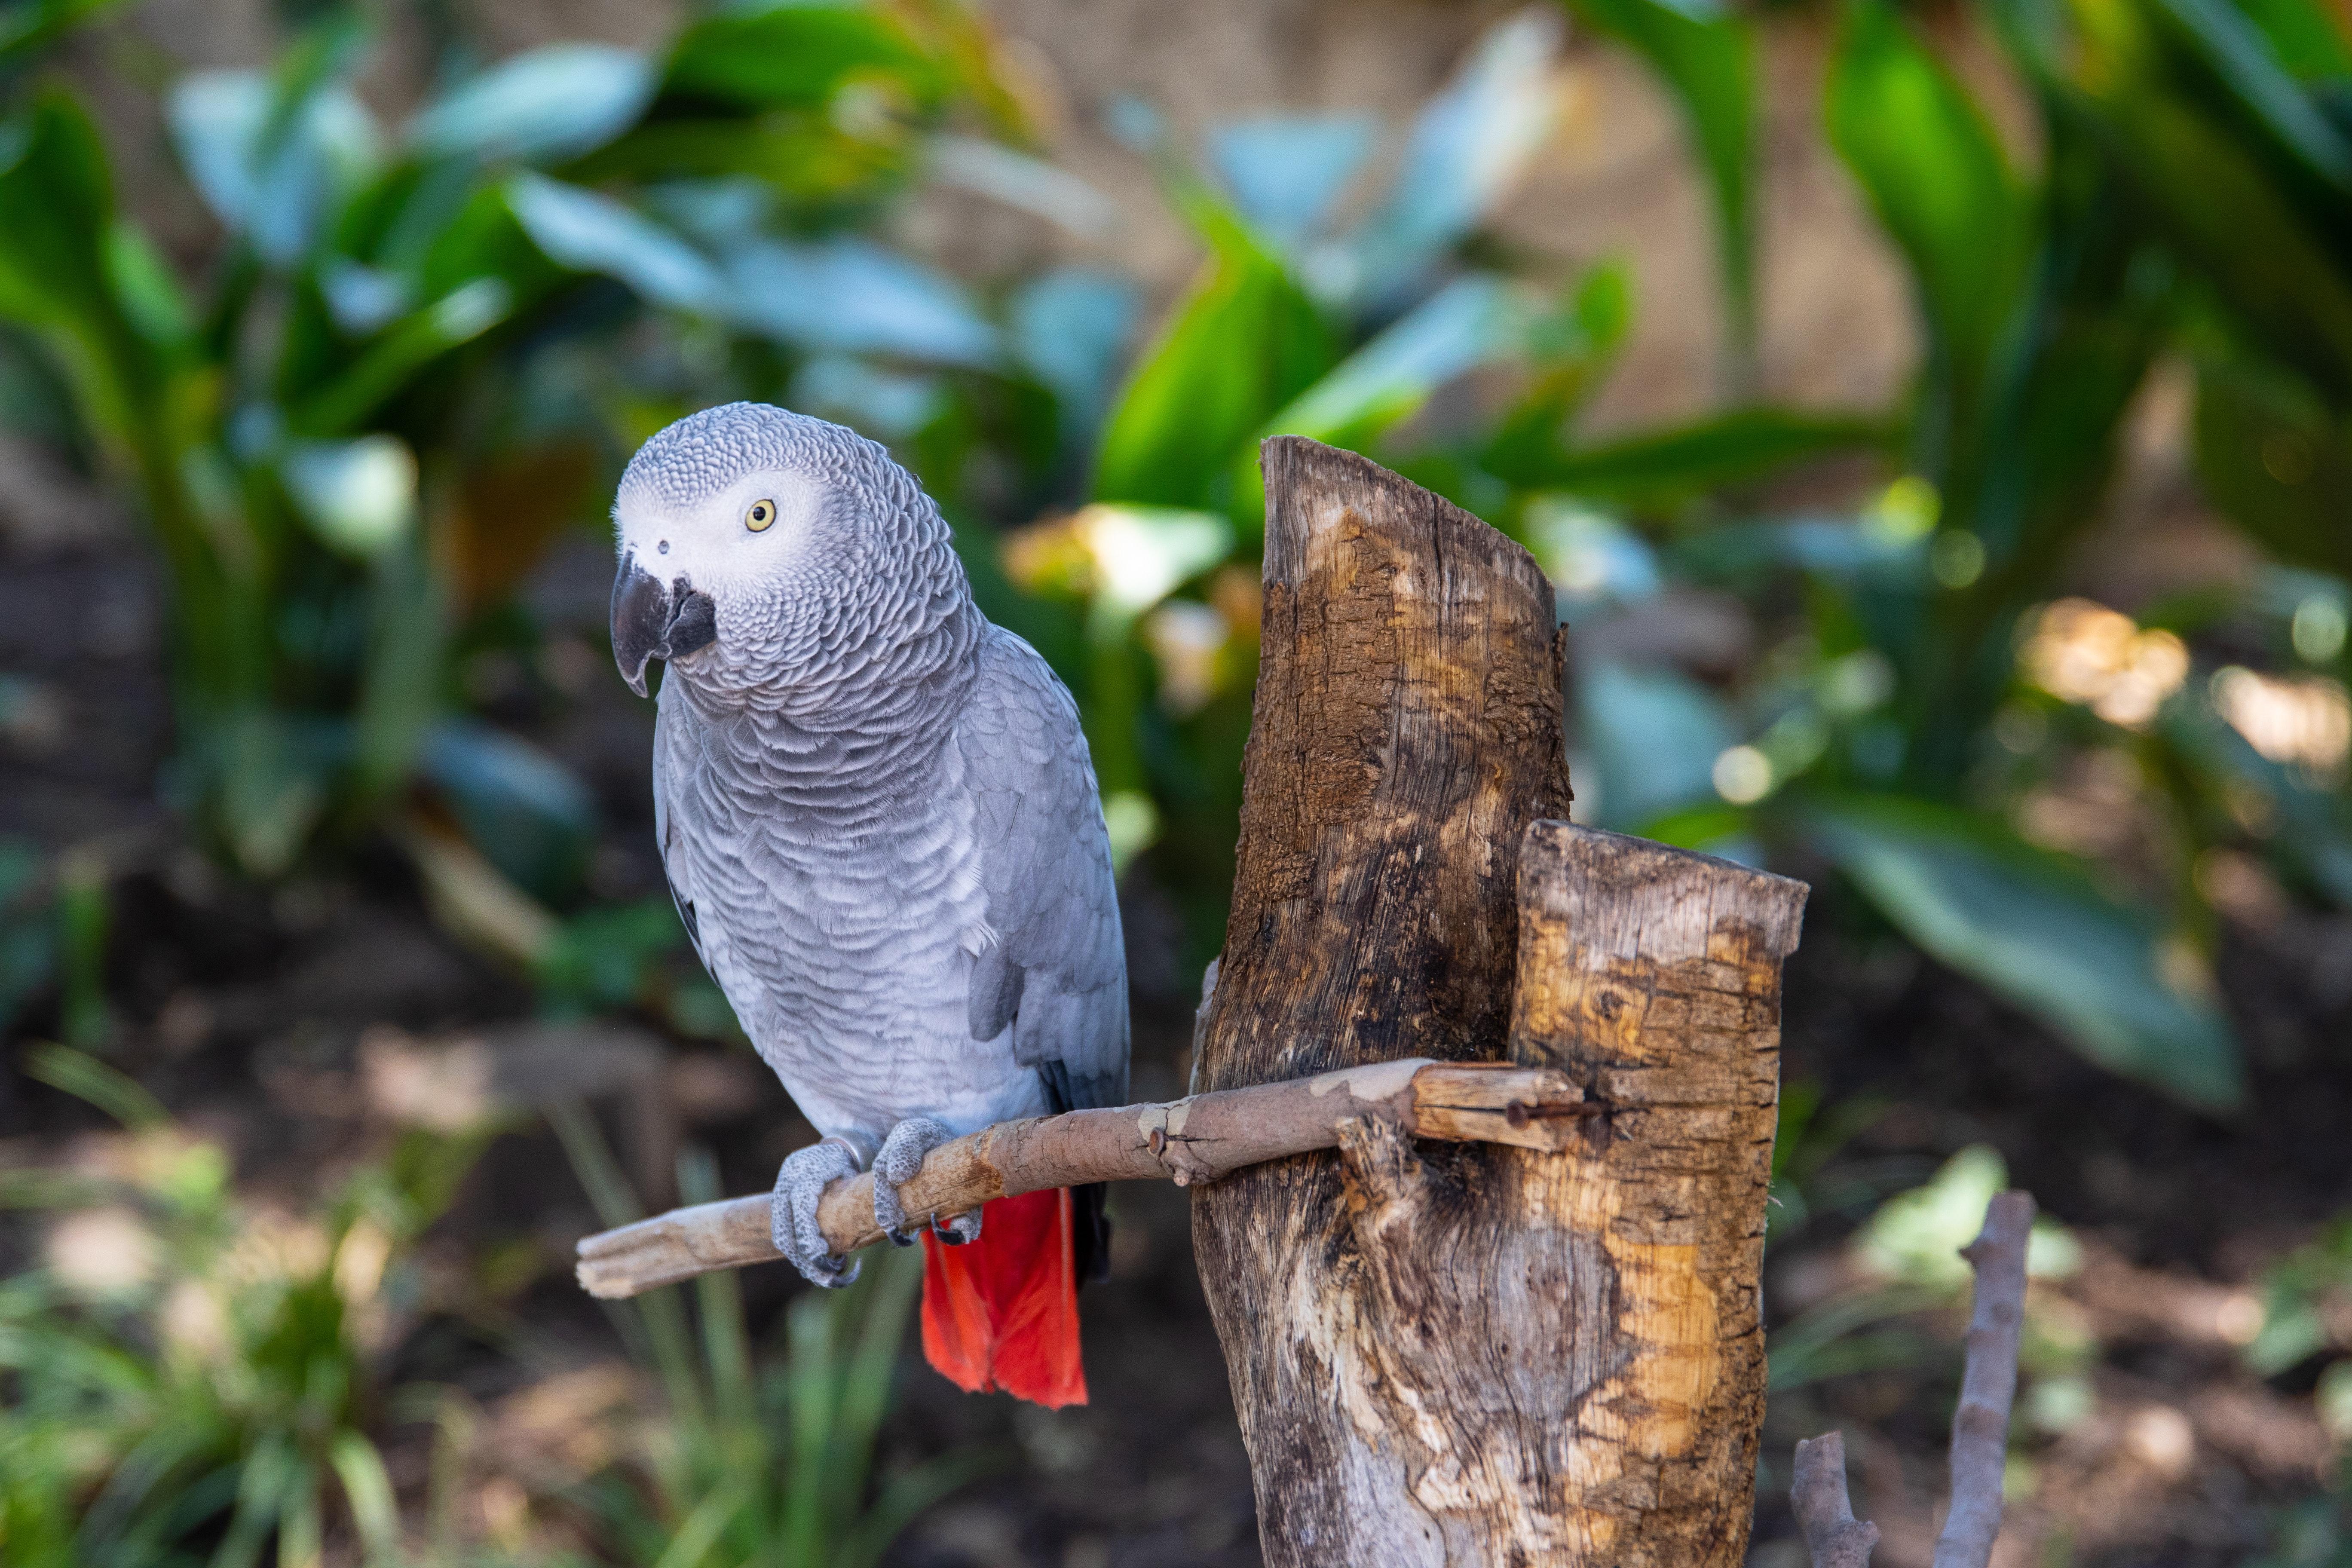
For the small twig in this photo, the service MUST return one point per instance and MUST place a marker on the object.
(1832, 1535)
(1981, 1425)
(1196, 1138)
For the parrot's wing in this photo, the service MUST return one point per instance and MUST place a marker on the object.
(1056, 968)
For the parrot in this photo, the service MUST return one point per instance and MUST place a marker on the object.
(879, 821)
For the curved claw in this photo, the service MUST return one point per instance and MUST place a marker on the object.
(901, 1156)
(791, 1215)
(956, 1229)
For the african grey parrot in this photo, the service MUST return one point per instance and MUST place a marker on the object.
(879, 821)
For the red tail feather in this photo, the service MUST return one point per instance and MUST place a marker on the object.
(1003, 1312)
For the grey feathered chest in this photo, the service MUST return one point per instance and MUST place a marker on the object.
(909, 917)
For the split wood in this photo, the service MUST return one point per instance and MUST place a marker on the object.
(1196, 1138)
(1833, 1537)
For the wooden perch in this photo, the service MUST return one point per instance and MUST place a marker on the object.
(1193, 1140)
(1980, 1427)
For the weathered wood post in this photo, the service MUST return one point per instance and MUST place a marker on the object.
(1462, 1353)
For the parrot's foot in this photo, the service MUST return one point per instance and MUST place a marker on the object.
(901, 1156)
(791, 1215)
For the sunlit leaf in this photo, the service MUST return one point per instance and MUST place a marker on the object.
(792, 56)
(2035, 930)
(361, 495)
(1242, 342)
(1472, 322)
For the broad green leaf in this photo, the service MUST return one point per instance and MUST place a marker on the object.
(558, 102)
(57, 220)
(362, 384)
(847, 295)
(1067, 329)
(1472, 322)
(269, 168)
(2035, 930)
(2229, 45)
(1242, 342)
(1467, 151)
(1569, 352)
(2307, 42)
(1935, 176)
(1706, 55)
(794, 56)
(590, 232)
(1737, 447)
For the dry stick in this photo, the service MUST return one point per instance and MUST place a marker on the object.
(1196, 1138)
(1832, 1535)
(1981, 1425)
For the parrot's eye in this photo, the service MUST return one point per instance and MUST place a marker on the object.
(762, 514)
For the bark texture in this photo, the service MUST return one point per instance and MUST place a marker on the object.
(1457, 1354)
(1196, 1138)
(1833, 1537)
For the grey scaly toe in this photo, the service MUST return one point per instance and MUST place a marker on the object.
(791, 1215)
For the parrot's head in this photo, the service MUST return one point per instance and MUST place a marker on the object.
(761, 548)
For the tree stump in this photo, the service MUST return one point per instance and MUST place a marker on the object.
(1455, 1354)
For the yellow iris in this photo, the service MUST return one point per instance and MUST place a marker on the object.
(762, 514)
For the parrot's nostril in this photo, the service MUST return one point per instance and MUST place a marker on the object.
(664, 547)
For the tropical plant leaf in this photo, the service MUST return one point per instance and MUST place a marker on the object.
(558, 102)
(1706, 56)
(1740, 447)
(1241, 344)
(2035, 930)
(1467, 151)
(1935, 176)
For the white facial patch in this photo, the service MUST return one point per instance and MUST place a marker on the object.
(709, 543)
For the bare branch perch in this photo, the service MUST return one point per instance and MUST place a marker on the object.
(1981, 1425)
(1196, 1138)
(1833, 1537)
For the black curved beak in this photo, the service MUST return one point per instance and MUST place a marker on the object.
(652, 619)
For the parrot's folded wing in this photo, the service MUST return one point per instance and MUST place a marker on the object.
(1057, 972)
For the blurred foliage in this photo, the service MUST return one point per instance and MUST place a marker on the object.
(760, 1466)
(358, 431)
(190, 1378)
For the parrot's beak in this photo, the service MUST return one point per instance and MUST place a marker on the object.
(652, 619)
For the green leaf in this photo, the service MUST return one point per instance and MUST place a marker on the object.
(1706, 56)
(2035, 930)
(1738, 447)
(86, 1078)
(1935, 176)
(57, 219)
(1472, 322)
(794, 56)
(1243, 342)
(2307, 42)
